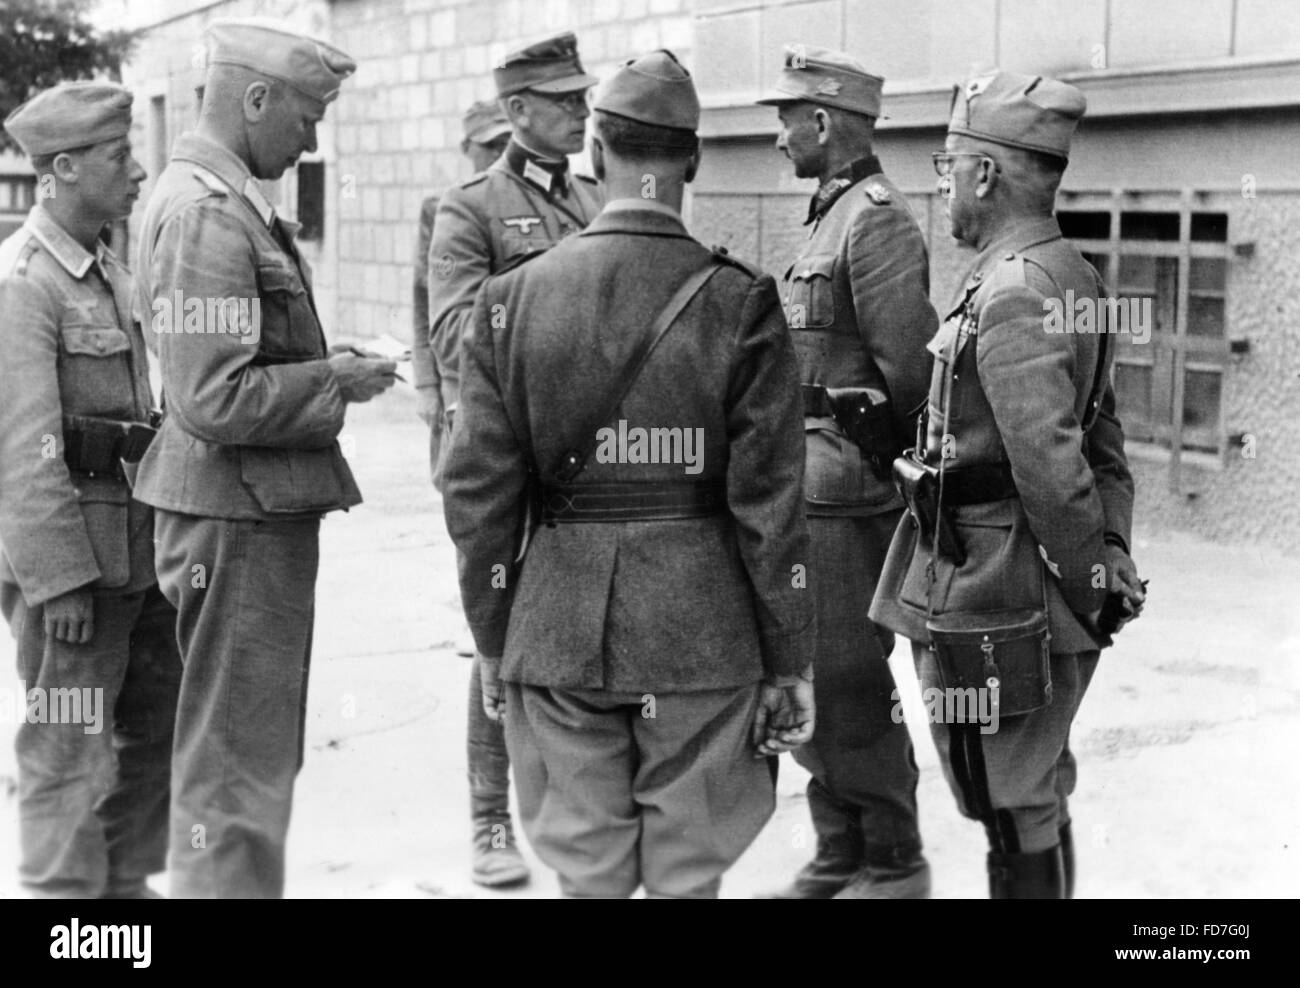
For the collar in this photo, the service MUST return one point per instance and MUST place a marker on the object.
(638, 217)
(222, 163)
(1017, 238)
(632, 204)
(839, 183)
(74, 258)
(547, 174)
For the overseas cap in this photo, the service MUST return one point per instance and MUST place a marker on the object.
(484, 121)
(653, 89)
(71, 115)
(312, 67)
(1019, 111)
(550, 66)
(832, 78)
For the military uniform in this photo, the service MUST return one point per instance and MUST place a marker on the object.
(1017, 400)
(857, 301)
(92, 803)
(245, 465)
(424, 367)
(521, 204)
(633, 647)
(484, 122)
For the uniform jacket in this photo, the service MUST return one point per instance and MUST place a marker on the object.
(1021, 396)
(252, 410)
(423, 366)
(70, 347)
(482, 225)
(857, 300)
(693, 604)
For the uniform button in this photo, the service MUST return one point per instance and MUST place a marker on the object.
(1010, 257)
(99, 344)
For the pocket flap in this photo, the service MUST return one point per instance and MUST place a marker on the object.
(965, 627)
(816, 266)
(279, 278)
(95, 341)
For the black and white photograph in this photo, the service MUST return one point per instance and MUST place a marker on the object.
(760, 449)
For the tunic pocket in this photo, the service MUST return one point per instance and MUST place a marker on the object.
(811, 302)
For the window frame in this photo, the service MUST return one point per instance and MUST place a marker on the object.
(1173, 356)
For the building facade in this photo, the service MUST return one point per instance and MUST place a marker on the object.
(1182, 187)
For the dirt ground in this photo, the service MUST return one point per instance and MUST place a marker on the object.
(1188, 740)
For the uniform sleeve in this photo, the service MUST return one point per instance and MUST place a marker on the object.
(460, 260)
(1028, 377)
(483, 493)
(422, 363)
(1105, 450)
(890, 277)
(765, 480)
(210, 381)
(42, 527)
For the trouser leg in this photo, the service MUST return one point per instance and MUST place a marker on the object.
(135, 812)
(487, 758)
(702, 795)
(575, 760)
(863, 767)
(64, 747)
(1017, 780)
(244, 596)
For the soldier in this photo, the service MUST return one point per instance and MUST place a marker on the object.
(526, 201)
(496, 862)
(487, 129)
(656, 637)
(1022, 422)
(77, 580)
(246, 462)
(857, 301)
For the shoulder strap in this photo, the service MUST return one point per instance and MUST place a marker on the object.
(1093, 407)
(575, 459)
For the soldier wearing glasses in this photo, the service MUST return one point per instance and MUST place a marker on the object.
(528, 200)
(1021, 420)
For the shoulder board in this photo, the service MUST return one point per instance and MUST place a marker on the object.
(721, 256)
(585, 178)
(519, 259)
(1008, 271)
(473, 180)
(877, 193)
(25, 255)
(210, 181)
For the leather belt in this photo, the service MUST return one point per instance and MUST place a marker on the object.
(978, 484)
(665, 501)
(816, 403)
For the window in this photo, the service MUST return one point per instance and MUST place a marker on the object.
(17, 196)
(311, 200)
(1168, 250)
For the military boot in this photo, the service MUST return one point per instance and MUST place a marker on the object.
(838, 858)
(890, 873)
(497, 862)
(1037, 875)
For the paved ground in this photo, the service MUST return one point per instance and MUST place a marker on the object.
(1188, 740)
